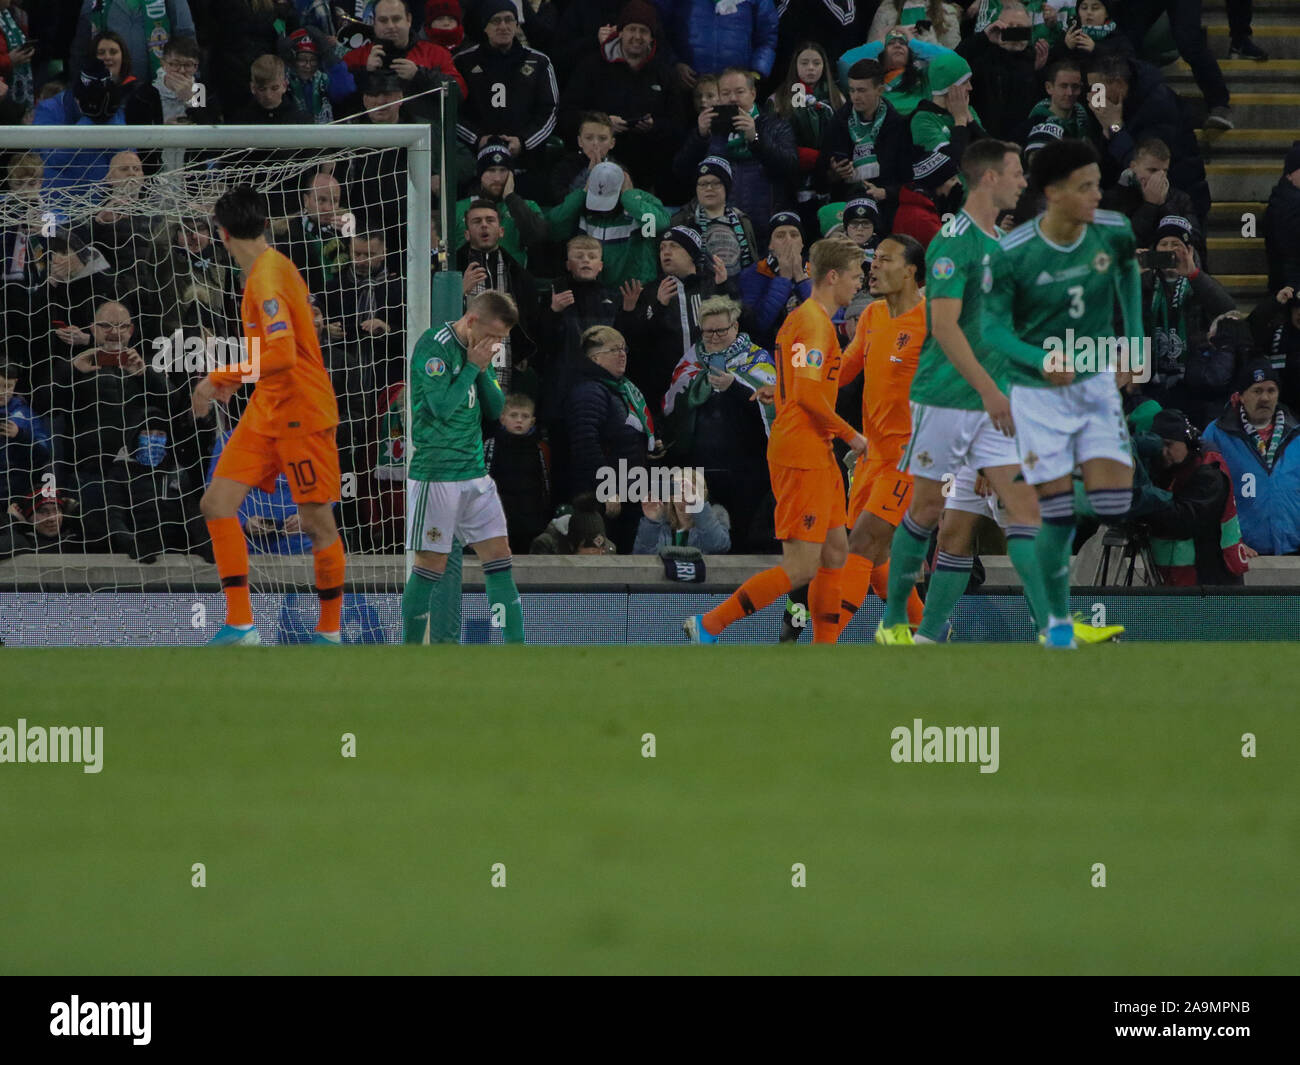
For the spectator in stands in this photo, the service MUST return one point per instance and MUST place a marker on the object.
(579, 301)
(245, 30)
(1181, 302)
(1145, 196)
(46, 523)
(523, 223)
(576, 530)
(174, 96)
(596, 142)
(708, 36)
(685, 519)
(1095, 33)
(272, 104)
(314, 240)
(759, 147)
(1282, 227)
(934, 191)
(776, 284)
(630, 82)
(1063, 81)
(317, 78)
(511, 91)
(725, 231)
(518, 459)
(1284, 350)
(51, 320)
(946, 122)
(808, 100)
(716, 418)
(1004, 73)
(16, 54)
(443, 24)
(1241, 43)
(1254, 436)
(868, 148)
(903, 58)
(487, 267)
(130, 236)
(944, 21)
(827, 21)
(113, 387)
(22, 245)
(203, 278)
(146, 29)
(1138, 105)
(610, 428)
(666, 322)
(621, 217)
(1195, 536)
(364, 306)
(417, 63)
(25, 448)
(149, 507)
(860, 220)
(1136, 17)
(95, 100)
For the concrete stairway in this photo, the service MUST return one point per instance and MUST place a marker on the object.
(1244, 163)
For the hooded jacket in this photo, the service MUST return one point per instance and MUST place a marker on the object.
(1268, 501)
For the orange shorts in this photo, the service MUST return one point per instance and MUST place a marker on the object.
(879, 489)
(809, 503)
(311, 463)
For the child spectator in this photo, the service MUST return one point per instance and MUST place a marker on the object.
(595, 143)
(317, 77)
(520, 462)
(724, 230)
(273, 104)
(24, 438)
(807, 99)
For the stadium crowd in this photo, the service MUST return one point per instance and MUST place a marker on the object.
(645, 180)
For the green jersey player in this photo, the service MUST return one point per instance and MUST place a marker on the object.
(1051, 312)
(448, 492)
(961, 417)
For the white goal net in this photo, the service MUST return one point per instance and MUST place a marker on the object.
(117, 298)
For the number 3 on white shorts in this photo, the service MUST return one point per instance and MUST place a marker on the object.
(1076, 301)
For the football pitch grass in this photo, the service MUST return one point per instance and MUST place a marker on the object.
(765, 756)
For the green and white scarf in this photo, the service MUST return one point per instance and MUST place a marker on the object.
(155, 11)
(638, 411)
(864, 133)
(21, 88)
(737, 146)
(730, 218)
(1169, 332)
(313, 96)
(1267, 451)
(1099, 33)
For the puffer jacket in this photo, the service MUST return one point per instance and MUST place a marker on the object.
(762, 184)
(1268, 502)
(711, 42)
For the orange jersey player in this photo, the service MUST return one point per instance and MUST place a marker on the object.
(886, 348)
(288, 426)
(810, 512)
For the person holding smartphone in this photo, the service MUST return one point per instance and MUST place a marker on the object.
(1006, 71)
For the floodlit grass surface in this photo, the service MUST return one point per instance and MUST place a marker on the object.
(769, 756)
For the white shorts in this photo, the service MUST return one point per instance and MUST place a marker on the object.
(962, 496)
(436, 511)
(1057, 428)
(945, 440)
